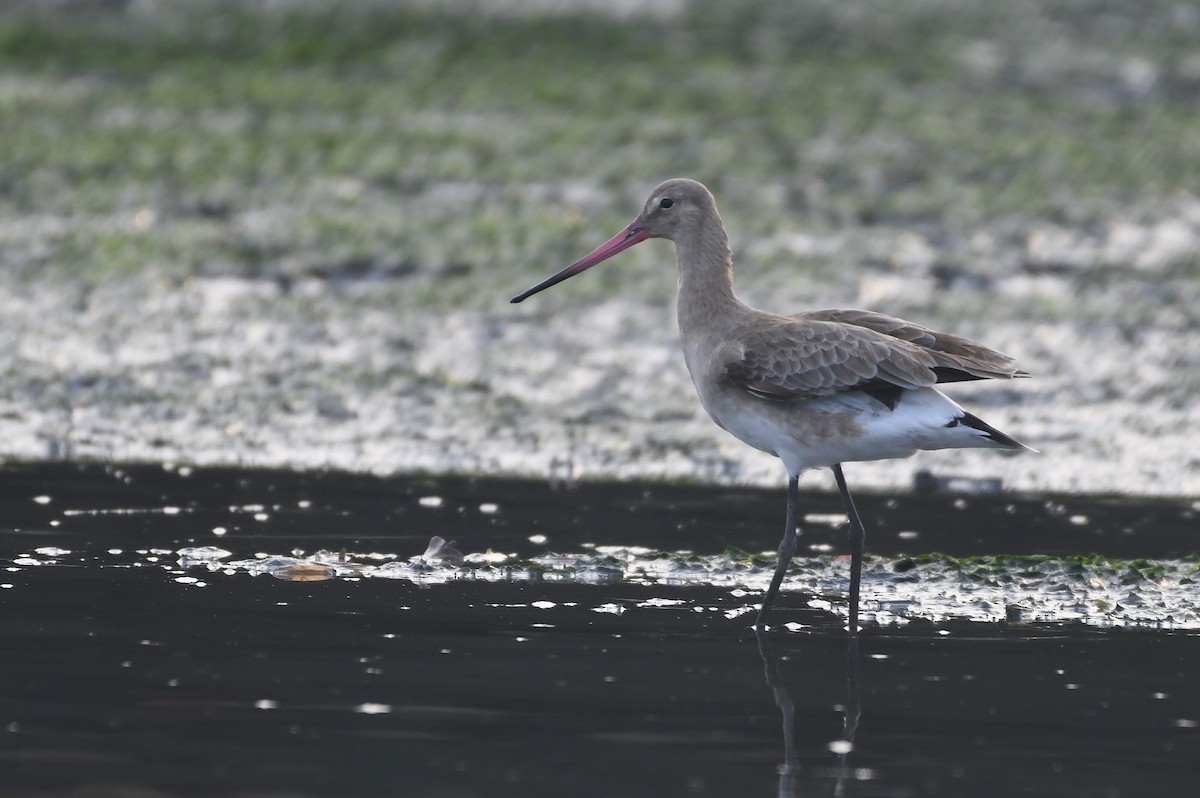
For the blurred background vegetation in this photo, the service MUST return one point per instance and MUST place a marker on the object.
(943, 159)
(388, 130)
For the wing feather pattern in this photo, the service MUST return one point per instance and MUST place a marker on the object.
(822, 353)
(957, 358)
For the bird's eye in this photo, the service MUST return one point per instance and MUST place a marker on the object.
(666, 202)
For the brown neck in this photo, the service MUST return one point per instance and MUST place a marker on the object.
(705, 276)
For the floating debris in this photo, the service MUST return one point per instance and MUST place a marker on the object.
(304, 572)
(442, 551)
(198, 555)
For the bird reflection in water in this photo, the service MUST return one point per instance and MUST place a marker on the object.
(789, 770)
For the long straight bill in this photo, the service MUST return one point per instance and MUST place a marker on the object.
(633, 234)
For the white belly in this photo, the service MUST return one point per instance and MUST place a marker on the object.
(847, 427)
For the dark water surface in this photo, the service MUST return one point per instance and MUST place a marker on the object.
(128, 671)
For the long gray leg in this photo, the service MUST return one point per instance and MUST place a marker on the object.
(857, 536)
(787, 547)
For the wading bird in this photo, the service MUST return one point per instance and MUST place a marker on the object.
(815, 389)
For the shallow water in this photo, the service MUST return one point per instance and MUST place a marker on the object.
(132, 669)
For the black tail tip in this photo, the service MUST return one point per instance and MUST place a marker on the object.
(993, 434)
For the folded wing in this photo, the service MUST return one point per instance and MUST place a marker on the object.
(822, 353)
